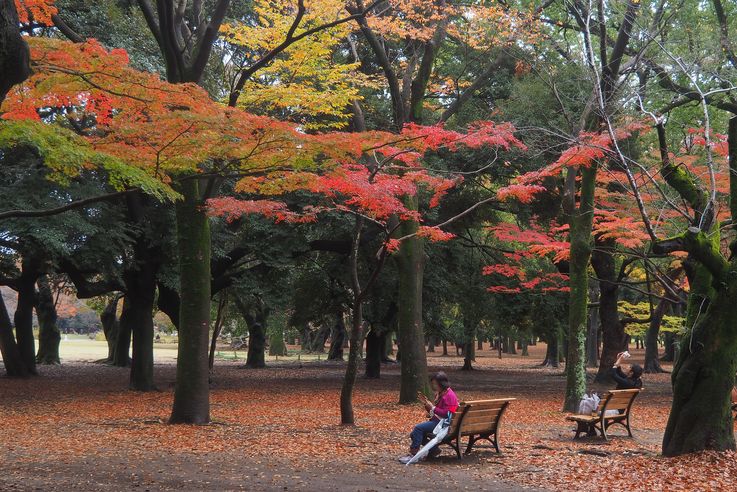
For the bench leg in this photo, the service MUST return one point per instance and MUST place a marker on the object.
(471, 441)
(581, 427)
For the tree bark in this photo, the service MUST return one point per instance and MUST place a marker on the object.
(191, 391)
(349, 381)
(411, 261)
(49, 336)
(592, 336)
(23, 318)
(14, 53)
(137, 319)
(337, 339)
(375, 346)
(111, 326)
(121, 356)
(614, 338)
(14, 365)
(652, 364)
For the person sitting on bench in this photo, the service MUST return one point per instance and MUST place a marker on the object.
(446, 403)
(632, 379)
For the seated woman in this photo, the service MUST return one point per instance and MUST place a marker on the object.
(446, 402)
(631, 379)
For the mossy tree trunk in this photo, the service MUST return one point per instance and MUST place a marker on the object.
(49, 336)
(580, 222)
(191, 391)
(703, 375)
(411, 263)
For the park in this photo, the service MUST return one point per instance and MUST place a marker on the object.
(368, 245)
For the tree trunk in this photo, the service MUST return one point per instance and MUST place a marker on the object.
(652, 364)
(592, 336)
(703, 378)
(551, 352)
(111, 326)
(430, 344)
(411, 265)
(337, 339)
(192, 392)
(580, 236)
(219, 320)
(669, 352)
(121, 357)
(14, 366)
(479, 344)
(256, 358)
(24, 316)
(49, 336)
(137, 319)
(14, 54)
(375, 345)
(445, 347)
(614, 338)
(349, 381)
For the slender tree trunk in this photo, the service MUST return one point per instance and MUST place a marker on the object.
(669, 352)
(219, 320)
(191, 391)
(49, 336)
(14, 365)
(351, 370)
(592, 336)
(652, 364)
(430, 344)
(411, 261)
(445, 347)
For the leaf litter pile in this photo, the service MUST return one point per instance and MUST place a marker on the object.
(79, 414)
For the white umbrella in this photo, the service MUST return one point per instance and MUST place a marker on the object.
(440, 431)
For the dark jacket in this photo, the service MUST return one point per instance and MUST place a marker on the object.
(623, 382)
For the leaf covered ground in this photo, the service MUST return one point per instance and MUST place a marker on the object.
(277, 428)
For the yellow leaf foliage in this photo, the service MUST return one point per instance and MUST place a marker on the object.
(307, 82)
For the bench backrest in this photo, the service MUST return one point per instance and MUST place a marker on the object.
(617, 400)
(479, 417)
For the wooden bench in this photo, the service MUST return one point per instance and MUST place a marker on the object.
(618, 400)
(477, 420)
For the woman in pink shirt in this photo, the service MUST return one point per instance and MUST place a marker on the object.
(445, 403)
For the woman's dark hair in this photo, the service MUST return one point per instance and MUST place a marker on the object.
(636, 371)
(442, 379)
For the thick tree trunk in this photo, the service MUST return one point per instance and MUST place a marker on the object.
(703, 378)
(652, 364)
(121, 356)
(411, 261)
(375, 346)
(551, 352)
(137, 318)
(14, 365)
(24, 316)
(192, 392)
(14, 54)
(256, 358)
(614, 338)
(111, 326)
(337, 339)
(49, 336)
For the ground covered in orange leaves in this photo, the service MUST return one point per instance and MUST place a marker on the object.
(76, 426)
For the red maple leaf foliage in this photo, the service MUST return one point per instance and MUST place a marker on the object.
(35, 11)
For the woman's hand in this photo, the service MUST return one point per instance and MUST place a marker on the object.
(618, 362)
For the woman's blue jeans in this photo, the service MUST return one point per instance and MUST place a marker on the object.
(420, 432)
